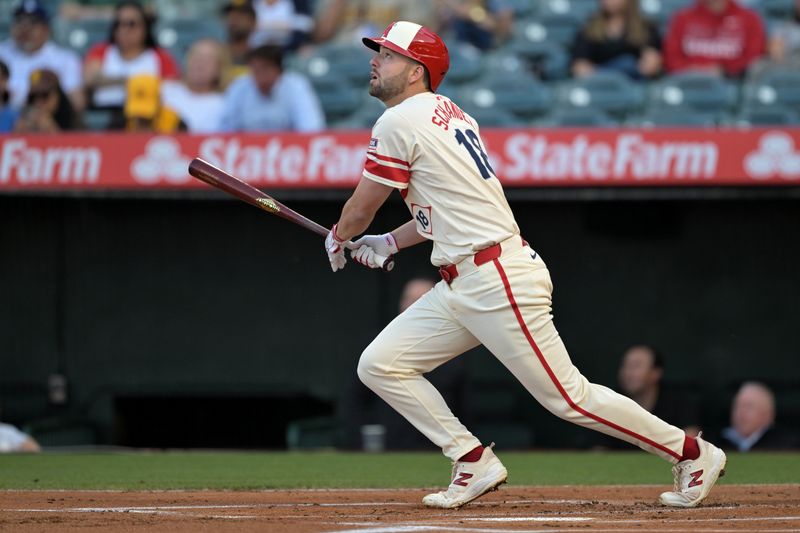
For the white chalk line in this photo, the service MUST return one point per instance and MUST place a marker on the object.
(375, 528)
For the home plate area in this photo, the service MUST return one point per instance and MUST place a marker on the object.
(768, 508)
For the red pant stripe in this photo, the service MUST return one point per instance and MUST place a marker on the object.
(554, 379)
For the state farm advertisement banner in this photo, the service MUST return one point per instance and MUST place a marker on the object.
(520, 158)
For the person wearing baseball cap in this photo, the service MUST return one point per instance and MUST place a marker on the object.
(29, 48)
(495, 289)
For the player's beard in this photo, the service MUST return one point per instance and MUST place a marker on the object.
(388, 88)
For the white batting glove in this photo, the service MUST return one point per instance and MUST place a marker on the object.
(370, 246)
(335, 248)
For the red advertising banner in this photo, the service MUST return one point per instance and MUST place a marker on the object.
(520, 157)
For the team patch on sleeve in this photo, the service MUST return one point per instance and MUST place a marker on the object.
(373, 145)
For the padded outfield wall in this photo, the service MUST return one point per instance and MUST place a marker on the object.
(184, 309)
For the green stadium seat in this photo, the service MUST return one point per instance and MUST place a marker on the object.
(781, 9)
(576, 118)
(546, 59)
(522, 8)
(465, 64)
(343, 61)
(80, 35)
(494, 117)
(610, 92)
(672, 117)
(558, 28)
(774, 87)
(581, 9)
(338, 100)
(661, 11)
(694, 90)
(522, 95)
(178, 36)
(775, 115)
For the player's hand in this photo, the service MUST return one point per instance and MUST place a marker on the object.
(370, 246)
(335, 248)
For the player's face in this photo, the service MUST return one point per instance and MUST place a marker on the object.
(389, 73)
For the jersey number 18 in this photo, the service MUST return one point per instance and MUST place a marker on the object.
(473, 146)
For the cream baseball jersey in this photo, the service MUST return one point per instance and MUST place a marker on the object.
(431, 150)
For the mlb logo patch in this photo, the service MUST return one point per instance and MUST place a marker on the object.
(373, 144)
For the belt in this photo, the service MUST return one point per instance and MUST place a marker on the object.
(450, 272)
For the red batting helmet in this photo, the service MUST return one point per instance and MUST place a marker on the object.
(417, 42)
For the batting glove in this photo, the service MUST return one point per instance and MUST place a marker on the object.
(335, 248)
(371, 245)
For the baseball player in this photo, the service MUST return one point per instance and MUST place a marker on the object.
(495, 288)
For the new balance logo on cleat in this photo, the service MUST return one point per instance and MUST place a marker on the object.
(484, 475)
(462, 479)
(696, 479)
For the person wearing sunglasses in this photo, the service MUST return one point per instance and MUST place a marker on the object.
(48, 109)
(130, 50)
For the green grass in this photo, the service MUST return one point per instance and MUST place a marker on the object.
(263, 470)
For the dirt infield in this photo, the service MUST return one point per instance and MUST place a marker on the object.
(774, 508)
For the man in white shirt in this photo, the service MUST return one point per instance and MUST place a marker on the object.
(495, 289)
(30, 49)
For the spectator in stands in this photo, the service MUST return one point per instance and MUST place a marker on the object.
(350, 20)
(753, 421)
(144, 110)
(284, 23)
(269, 99)
(784, 43)
(481, 23)
(240, 23)
(30, 48)
(48, 109)
(130, 49)
(617, 38)
(198, 98)
(718, 36)
(640, 378)
(8, 115)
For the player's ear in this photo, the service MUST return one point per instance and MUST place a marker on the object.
(417, 73)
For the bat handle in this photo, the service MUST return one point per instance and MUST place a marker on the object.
(387, 263)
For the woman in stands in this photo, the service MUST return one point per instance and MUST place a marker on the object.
(131, 49)
(48, 110)
(617, 38)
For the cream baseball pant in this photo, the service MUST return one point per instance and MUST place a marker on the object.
(505, 305)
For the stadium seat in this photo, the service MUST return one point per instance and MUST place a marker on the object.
(694, 90)
(369, 110)
(522, 95)
(576, 117)
(338, 100)
(178, 35)
(80, 35)
(580, 9)
(767, 116)
(774, 87)
(674, 117)
(343, 61)
(522, 8)
(782, 9)
(98, 119)
(494, 117)
(610, 92)
(558, 28)
(546, 59)
(465, 64)
(660, 11)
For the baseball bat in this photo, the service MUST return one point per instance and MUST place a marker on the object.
(208, 173)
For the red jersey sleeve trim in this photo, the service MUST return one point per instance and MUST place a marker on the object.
(397, 175)
(390, 159)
